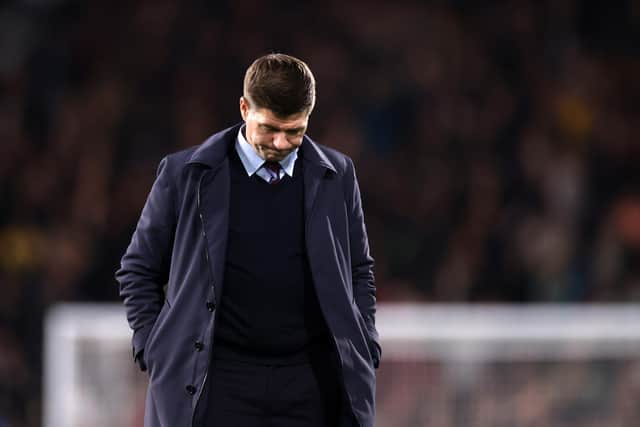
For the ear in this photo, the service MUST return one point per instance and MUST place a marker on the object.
(244, 108)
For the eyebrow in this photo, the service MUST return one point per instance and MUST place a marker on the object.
(277, 129)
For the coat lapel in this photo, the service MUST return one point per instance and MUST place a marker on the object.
(214, 208)
(213, 200)
(316, 166)
(313, 174)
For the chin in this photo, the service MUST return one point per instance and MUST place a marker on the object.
(274, 157)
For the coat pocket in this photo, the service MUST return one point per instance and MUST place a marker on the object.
(147, 356)
(364, 332)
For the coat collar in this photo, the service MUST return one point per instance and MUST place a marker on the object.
(214, 150)
(312, 153)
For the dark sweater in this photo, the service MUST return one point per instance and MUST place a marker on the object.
(269, 311)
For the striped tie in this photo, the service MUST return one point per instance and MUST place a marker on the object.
(274, 169)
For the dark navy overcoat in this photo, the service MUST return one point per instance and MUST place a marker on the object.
(171, 275)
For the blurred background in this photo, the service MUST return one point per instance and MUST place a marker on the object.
(495, 143)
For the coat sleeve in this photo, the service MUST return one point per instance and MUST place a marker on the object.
(361, 262)
(144, 267)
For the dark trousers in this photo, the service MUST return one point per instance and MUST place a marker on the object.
(241, 394)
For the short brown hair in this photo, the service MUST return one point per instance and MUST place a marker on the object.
(281, 83)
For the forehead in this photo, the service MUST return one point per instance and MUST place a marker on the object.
(268, 117)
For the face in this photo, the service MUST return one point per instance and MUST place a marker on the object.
(271, 136)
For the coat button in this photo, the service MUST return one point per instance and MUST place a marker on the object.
(198, 345)
(210, 306)
(191, 390)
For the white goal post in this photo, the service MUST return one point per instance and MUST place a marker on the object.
(498, 332)
(442, 366)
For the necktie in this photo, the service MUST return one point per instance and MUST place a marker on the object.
(274, 169)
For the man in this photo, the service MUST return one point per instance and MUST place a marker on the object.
(248, 281)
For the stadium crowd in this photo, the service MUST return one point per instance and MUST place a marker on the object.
(495, 142)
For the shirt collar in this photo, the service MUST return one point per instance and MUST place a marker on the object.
(252, 161)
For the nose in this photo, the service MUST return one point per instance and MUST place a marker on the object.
(280, 141)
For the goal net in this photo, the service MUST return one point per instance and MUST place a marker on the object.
(443, 366)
